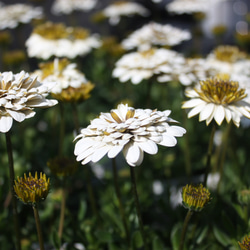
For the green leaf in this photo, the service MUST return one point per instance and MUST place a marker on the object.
(157, 243)
(202, 235)
(103, 236)
(137, 239)
(176, 236)
(82, 210)
(55, 239)
(221, 237)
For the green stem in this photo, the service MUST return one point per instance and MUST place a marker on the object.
(118, 195)
(137, 205)
(209, 154)
(86, 170)
(62, 212)
(13, 198)
(38, 227)
(223, 154)
(184, 228)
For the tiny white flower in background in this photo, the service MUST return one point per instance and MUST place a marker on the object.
(68, 6)
(132, 131)
(155, 34)
(12, 15)
(136, 66)
(19, 95)
(217, 99)
(213, 180)
(158, 187)
(175, 196)
(218, 137)
(122, 8)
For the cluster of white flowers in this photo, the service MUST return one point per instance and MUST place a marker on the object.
(155, 34)
(133, 131)
(136, 66)
(122, 8)
(19, 95)
(68, 6)
(12, 15)
(44, 45)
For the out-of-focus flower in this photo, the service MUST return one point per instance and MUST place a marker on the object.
(111, 46)
(136, 66)
(126, 129)
(51, 39)
(12, 15)
(123, 8)
(71, 84)
(31, 189)
(194, 197)
(155, 34)
(219, 30)
(244, 197)
(19, 95)
(217, 99)
(5, 38)
(14, 57)
(68, 6)
(245, 243)
(189, 6)
(62, 166)
(190, 72)
(213, 180)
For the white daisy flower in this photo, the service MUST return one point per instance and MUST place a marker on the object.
(132, 131)
(123, 8)
(137, 66)
(19, 95)
(68, 6)
(155, 34)
(218, 99)
(12, 15)
(57, 40)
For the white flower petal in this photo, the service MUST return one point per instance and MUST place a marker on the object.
(99, 153)
(5, 123)
(133, 154)
(168, 141)
(219, 114)
(114, 151)
(196, 110)
(148, 146)
(206, 112)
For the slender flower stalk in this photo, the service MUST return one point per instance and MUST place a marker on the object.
(62, 211)
(184, 228)
(209, 154)
(121, 208)
(38, 227)
(86, 170)
(137, 205)
(13, 198)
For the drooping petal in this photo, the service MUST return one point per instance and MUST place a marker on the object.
(148, 146)
(114, 151)
(206, 112)
(133, 154)
(5, 123)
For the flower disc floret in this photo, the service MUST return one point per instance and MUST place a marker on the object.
(133, 131)
(195, 197)
(245, 243)
(31, 189)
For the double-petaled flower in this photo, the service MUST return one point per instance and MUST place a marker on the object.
(132, 131)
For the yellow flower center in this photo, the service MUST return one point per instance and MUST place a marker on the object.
(195, 197)
(220, 91)
(147, 53)
(228, 54)
(245, 244)
(50, 68)
(130, 113)
(31, 189)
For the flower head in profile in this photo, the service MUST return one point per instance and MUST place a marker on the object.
(123, 8)
(19, 95)
(245, 243)
(218, 99)
(153, 34)
(12, 15)
(68, 6)
(71, 84)
(133, 131)
(31, 189)
(55, 39)
(195, 197)
(136, 66)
